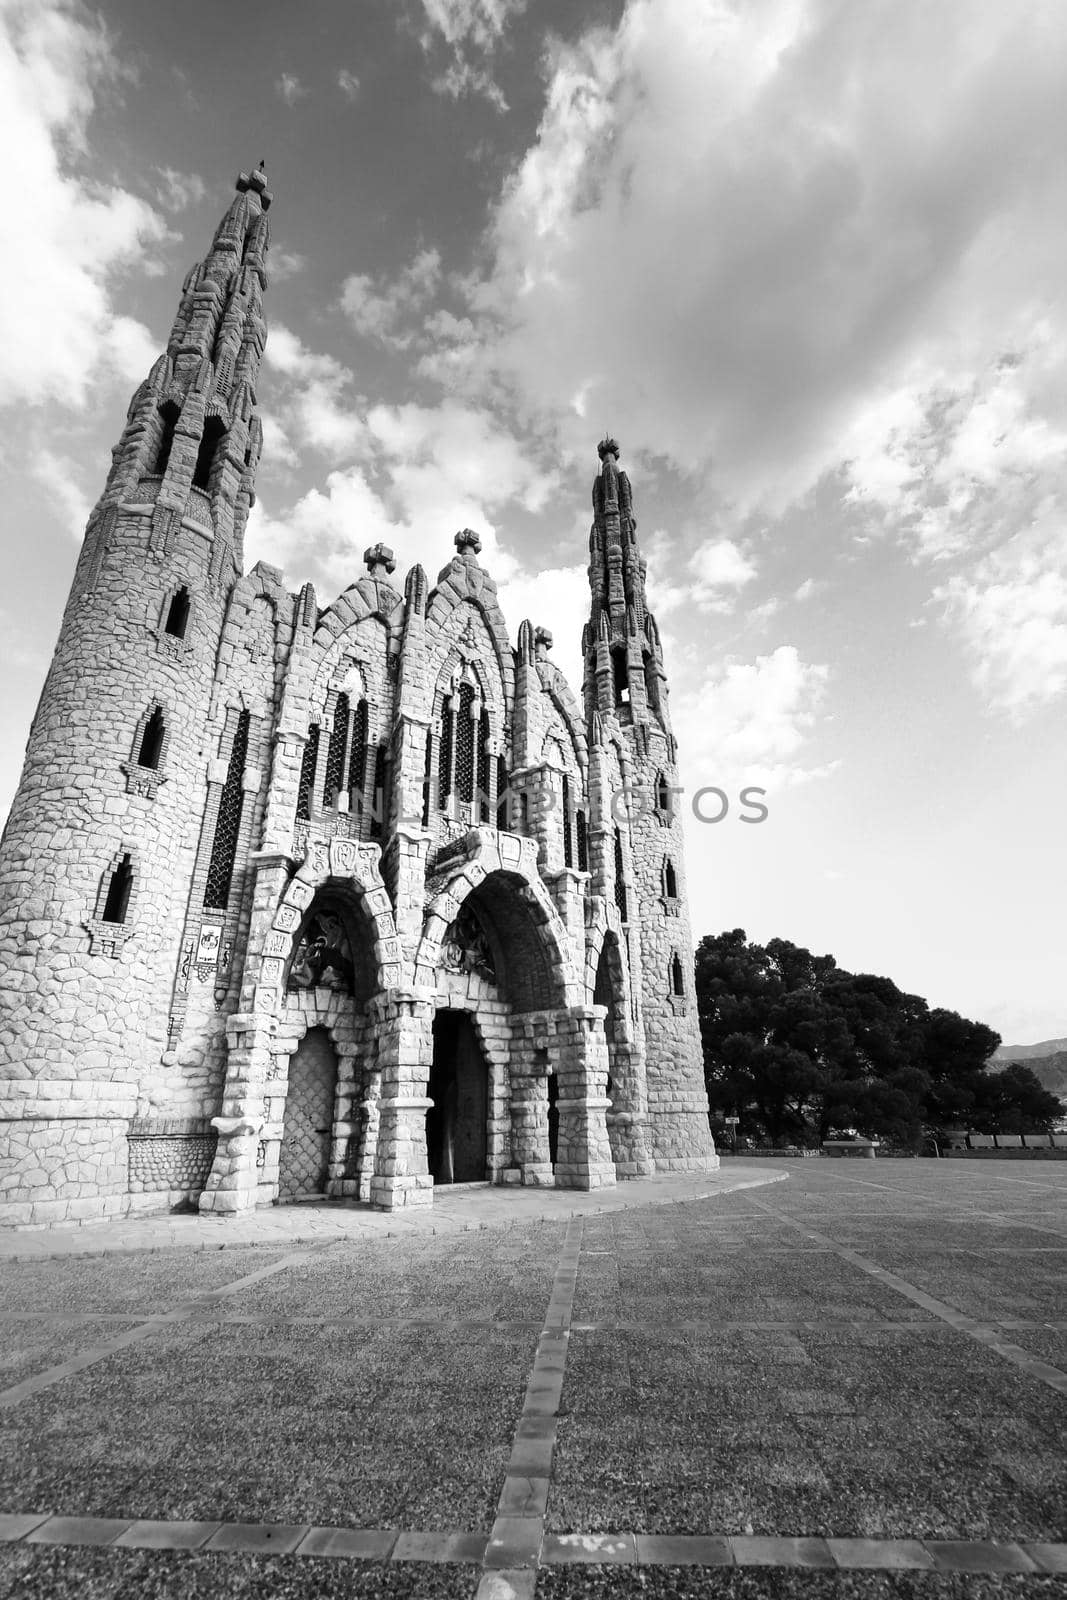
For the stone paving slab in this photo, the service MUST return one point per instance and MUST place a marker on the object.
(457, 1209)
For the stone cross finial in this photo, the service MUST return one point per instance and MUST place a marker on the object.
(542, 642)
(379, 555)
(467, 539)
(608, 446)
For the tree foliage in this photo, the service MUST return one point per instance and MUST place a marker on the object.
(798, 1048)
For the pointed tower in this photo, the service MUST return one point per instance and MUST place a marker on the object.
(637, 846)
(98, 852)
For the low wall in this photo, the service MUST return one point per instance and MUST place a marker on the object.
(1037, 1154)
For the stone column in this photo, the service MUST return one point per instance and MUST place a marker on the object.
(529, 1116)
(584, 1158)
(627, 1117)
(403, 1020)
(234, 1178)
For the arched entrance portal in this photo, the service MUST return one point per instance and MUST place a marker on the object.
(304, 1159)
(457, 1122)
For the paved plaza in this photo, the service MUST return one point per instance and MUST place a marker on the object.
(850, 1382)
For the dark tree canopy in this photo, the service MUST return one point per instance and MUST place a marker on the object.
(799, 1049)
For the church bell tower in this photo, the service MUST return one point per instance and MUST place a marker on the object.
(98, 852)
(637, 820)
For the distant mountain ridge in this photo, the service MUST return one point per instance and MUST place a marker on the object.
(1047, 1061)
(1028, 1052)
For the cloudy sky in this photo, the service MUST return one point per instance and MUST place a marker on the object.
(804, 258)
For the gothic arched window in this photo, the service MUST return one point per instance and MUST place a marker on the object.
(670, 880)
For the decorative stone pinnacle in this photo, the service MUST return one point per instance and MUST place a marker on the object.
(467, 539)
(608, 446)
(257, 180)
(542, 640)
(379, 555)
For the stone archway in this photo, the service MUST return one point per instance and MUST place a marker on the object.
(344, 873)
(493, 879)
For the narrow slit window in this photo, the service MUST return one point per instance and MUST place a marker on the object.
(663, 796)
(427, 779)
(378, 793)
(670, 880)
(214, 429)
(621, 677)
(620, 881)
(677, 976)
(581, 829)
(483, 767)
(465, 745)
(444, 754)
(357, 756)
(503, 819)
(307, 774)
(151, 747)
(228, 824)
(335, 756)
(117, 900)
(568, 845)
(178, 614)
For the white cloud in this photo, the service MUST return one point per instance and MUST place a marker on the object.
(289, 88)
(314, 401)
(286, 264)
(59, 475)
(1011, 613)
(748, 722)
(470, 31)
(58, 331)
(376, 313)
(477, 22)
(719, 566)
(177, 190)
(557, 599)
(348, 84)
(423, 473)
(851, 200)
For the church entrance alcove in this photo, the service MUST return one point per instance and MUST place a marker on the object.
(457, 1122)
(304, 1160)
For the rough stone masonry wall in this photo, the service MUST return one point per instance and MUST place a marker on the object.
(81, 1031)
(678, 1130)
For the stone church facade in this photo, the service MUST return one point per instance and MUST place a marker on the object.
(349, 900)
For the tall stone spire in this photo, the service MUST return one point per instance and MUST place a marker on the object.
(193, 423)
(624, 663)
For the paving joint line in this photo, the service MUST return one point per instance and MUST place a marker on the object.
(983, 1333)
(513, 1551)
(456, 1546)
(183, 1313)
